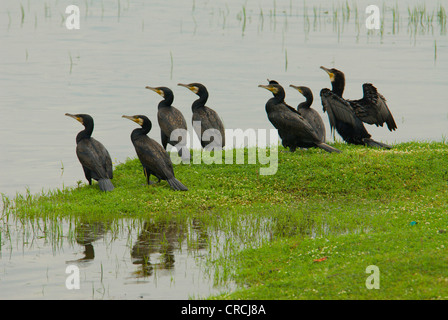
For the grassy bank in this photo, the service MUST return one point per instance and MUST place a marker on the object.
(346, 211)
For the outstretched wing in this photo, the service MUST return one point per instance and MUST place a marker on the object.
(372, 108)
(337, 109)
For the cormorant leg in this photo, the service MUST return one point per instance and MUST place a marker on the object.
(88, 175)
(165, 139)
(147, 175)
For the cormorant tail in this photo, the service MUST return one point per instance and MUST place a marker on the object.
(328, 148)
(176, 185)
(373, 143)
(105, 185)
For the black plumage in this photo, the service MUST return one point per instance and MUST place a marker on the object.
(371, 108)
(294, 130)
(92, 154)
(211, 132)
(173, 127)
(153, 157)
(309, 113)
(347, 116)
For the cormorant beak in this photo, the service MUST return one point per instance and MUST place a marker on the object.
(331, 74)
(269, 87)
(156, 90)
(297, 88)
(192, 88)
(75, 117)
(134, 118)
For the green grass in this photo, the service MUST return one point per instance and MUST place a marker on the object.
(358, 208)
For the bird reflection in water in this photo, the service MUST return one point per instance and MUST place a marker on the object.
(162, 239)
(86, 233)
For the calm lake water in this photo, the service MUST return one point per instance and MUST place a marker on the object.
(230, 46)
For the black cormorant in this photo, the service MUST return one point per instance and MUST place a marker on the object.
(154, 158)
(171, 119)
(92, 154)
(348, 116)
(310, 114)
(294, 130)
(371, 109)
(211, 124)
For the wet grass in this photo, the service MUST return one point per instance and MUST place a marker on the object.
(358, 208)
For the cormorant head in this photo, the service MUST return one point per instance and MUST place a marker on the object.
(195, 87)
(276, 89)
(305, 91)
(334, 74)
(337, 79)
(272, 81)
(165, 92)
(85, 119)
(141, 120)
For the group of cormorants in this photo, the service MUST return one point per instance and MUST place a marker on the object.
(298, 128)
(95, 158)
(304, 128)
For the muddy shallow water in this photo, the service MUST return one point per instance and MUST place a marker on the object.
(230, 46)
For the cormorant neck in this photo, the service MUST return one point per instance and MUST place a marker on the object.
(307, 103)
(280, 96)
(200, 102)
(143, 131)
(338, 86)
(167, 102)
(85, 134)
(275, 100)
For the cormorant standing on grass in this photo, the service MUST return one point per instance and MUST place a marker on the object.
(347, 116)
(153, 157)
(92, 154)
(211, 124)
(294, 130)
(310, 114)
(171, 119)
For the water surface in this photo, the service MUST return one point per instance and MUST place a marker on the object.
(229, 46)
